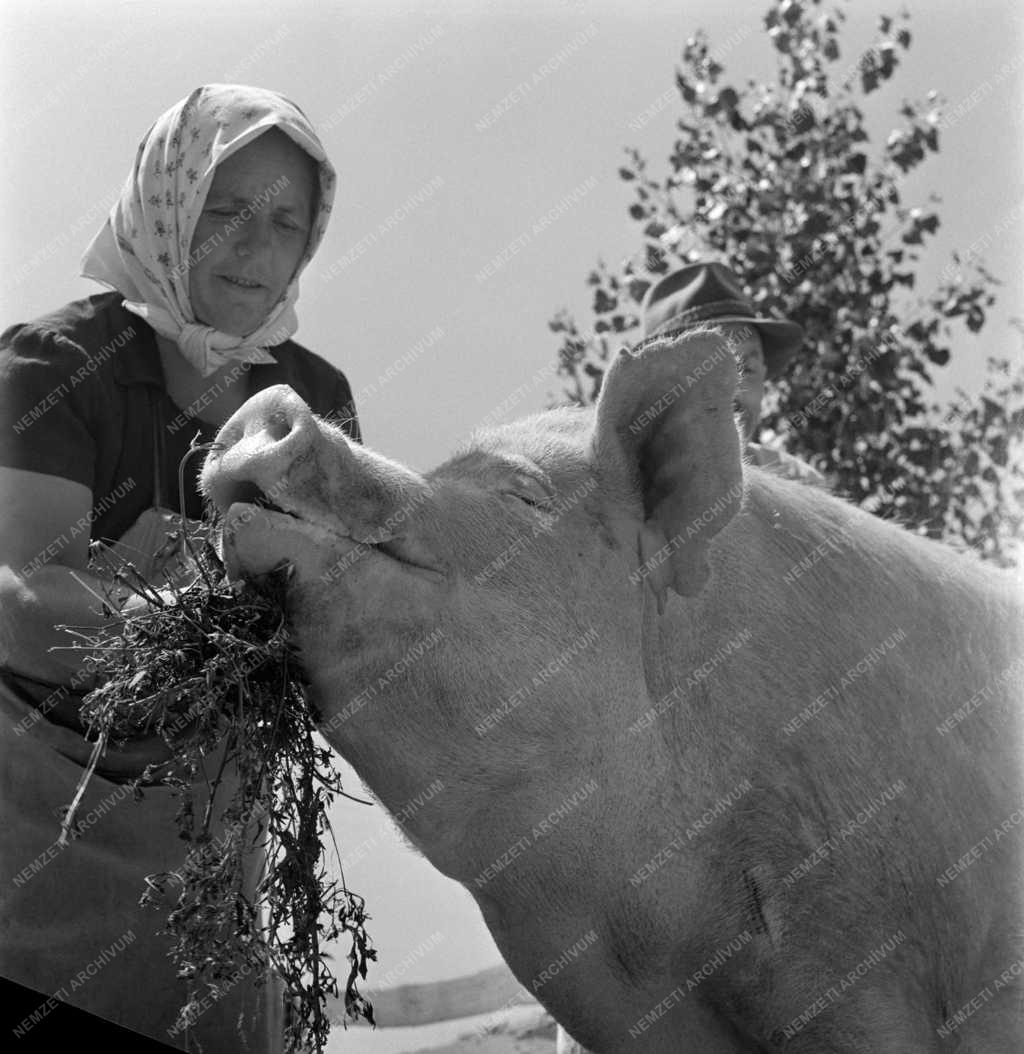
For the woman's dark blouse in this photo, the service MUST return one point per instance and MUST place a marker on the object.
(80, 389)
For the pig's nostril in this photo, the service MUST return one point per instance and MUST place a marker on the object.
(278, 425)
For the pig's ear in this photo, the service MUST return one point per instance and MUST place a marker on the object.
(666, 410)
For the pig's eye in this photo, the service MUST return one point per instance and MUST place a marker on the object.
(536, 499)
(528, 486)
(533, 502)
(529, 489)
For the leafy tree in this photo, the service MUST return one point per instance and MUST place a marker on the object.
(781, 182)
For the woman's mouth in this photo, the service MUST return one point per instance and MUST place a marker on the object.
(242, 283)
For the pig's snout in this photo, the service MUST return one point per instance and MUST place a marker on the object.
(259, 447)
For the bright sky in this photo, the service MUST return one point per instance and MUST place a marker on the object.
(398, 90)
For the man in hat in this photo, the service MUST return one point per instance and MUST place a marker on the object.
(711, 293)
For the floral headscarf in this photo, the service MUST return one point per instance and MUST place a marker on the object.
(142, 250)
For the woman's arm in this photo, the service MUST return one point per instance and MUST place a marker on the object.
(44, 548)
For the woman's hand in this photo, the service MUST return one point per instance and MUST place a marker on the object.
(46, 580)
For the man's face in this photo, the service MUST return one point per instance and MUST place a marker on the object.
(746, 345)
(252, 233)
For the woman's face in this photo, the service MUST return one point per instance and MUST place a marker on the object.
(252, 232)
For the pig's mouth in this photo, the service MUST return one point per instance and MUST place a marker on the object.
(306, 520)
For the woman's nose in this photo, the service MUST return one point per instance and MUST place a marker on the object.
(252, 237)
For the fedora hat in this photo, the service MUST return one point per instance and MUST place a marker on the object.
(710, 292)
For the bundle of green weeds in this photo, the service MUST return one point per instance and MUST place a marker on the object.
(208, 668)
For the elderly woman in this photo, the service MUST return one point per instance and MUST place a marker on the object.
(226, 202)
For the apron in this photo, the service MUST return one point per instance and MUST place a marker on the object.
(70, 921)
